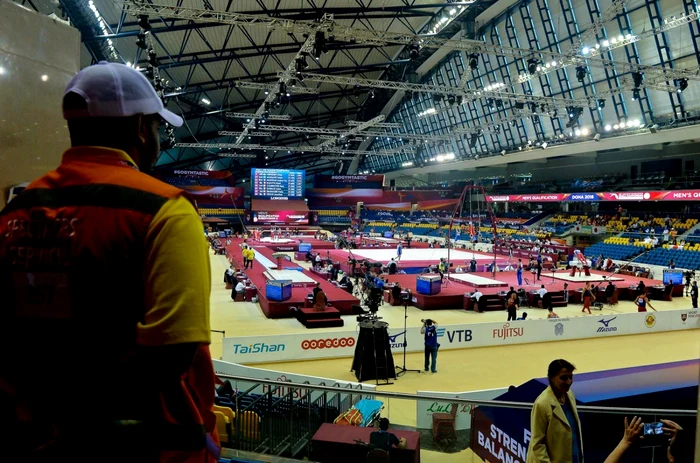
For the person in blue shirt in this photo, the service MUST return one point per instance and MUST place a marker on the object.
(379, 283)
(519, 272)
(429, 331)
(399, 251)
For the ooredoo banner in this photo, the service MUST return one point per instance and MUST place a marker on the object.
(304, 346)
(676, 195)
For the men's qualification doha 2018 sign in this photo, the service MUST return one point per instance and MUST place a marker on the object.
(646, 196)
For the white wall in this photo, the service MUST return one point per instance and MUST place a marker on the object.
(33, 134)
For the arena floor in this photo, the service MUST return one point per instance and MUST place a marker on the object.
(483, 368)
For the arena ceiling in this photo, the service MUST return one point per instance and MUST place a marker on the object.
(216, 59)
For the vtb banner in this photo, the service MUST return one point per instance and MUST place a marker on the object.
(676, 195)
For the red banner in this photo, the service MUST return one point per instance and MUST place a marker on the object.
(674, 195)
(338, 197)
(215, 196)
(213, 174)
(349, 181)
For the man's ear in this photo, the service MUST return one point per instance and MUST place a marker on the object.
(142, 129)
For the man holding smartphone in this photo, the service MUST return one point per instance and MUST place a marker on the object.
(429, 331)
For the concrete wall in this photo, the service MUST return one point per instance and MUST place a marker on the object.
(38, 55)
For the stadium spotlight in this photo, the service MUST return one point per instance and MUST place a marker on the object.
(473, 139)
(414, 50)
(581, 73)
(544, 145)
(503, 152)
(637, 78)
(141, 41)
(682, 85)
(601, 104)
(532, 65)
(143, 22)
(473, 61)
(596, 137)
(635, 94)
(654, 128)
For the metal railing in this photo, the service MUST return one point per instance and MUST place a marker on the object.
(490, 403)
(281, 417)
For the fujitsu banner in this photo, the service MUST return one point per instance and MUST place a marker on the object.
(674, 195)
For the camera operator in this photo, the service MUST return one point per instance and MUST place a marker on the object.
(694, 294)
(429, 331)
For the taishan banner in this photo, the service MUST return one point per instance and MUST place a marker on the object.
(675, 195)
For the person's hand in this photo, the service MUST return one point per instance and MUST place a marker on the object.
(671, 428)
(633, 429)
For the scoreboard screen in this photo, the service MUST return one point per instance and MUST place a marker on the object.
(277, 183)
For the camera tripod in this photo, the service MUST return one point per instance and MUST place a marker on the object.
(402, 369)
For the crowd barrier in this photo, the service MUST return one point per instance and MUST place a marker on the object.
(338, 344)
(232, 369)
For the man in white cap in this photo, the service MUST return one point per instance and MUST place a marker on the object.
(105, 279)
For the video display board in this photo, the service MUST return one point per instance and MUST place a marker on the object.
(280, 217)
(277, 184)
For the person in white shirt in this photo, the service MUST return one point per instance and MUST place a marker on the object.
(477, 295)
(542, 291)
(239, 289)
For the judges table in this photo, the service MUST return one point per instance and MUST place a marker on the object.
(333, 442)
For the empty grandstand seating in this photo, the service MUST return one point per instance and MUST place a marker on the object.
(617, 248)
(333, 216)
(219, 211)
(686, 258)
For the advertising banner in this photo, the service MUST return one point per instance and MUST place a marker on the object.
(442, 404)
(507, 442)
(336, 197)
(304, 346)
(349, 181)
(589, 229)
(676, 195)
(280, 217)
(205, 196)
(209, 174)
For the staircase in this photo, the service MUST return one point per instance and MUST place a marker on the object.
(688, 233)
(280, 420)
(311, 318)
(538, 219)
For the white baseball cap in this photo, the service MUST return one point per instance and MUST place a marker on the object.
(116, 90)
